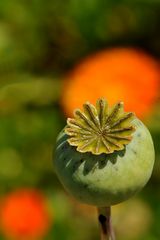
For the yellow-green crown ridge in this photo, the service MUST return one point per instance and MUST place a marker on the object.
(101, 128)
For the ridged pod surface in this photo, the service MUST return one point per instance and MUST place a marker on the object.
(104, 173)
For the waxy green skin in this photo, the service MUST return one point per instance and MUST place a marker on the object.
(106, 179)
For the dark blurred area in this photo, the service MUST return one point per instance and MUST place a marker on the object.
(48, 63)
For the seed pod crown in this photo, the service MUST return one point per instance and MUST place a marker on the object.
(101, 128)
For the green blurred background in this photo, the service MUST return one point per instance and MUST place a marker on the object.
(40, 41)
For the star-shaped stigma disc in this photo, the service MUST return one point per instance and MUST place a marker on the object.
(100, 129)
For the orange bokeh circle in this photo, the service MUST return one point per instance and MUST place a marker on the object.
(118, 74)
(24, 215)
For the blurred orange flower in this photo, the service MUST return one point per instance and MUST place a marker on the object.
(24, 215)
(125, 74)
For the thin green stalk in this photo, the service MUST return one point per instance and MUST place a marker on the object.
(104, 218)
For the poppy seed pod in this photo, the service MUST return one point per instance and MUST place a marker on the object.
(104, 155)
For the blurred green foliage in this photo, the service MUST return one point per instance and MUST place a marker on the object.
(50, 36)
(40, 41)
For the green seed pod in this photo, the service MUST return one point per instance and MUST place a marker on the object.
(104, 155)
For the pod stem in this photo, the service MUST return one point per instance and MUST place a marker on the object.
(104, 218)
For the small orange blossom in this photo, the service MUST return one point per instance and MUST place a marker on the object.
(24, 215)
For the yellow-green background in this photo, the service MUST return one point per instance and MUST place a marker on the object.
(39, 42)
